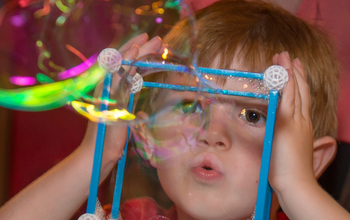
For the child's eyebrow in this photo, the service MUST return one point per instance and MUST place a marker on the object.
(228, 99)
(242, 101)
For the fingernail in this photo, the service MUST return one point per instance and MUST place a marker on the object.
(156, 37)
(131, 54)
(297, 62)
(287, 54)
(141, 36)
(162, 48)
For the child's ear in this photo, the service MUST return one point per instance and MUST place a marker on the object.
(144, 139)
(325, 149)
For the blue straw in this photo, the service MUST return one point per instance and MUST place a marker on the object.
(120, 171)
(263, 204)
(96, 167)
(234, 73)
(184, 69)
(207, 90)
(155, 65)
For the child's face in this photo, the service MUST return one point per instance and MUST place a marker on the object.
(208, 153)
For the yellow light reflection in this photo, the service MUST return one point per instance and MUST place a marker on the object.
(165, 53)
(243, 112)
(207, 77)
(101, 116)
(160, 11)
(148, 10)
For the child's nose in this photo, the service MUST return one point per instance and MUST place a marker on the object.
(215, 130)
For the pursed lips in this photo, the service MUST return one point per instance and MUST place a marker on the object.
(207, 168)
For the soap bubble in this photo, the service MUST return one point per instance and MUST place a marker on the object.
(49, 48)
(171, 120)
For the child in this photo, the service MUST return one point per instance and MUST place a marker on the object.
(241, 35)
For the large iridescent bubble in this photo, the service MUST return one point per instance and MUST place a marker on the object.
(49, 48)
(176, 108)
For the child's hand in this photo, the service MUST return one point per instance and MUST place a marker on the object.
(115, 136)
(292, 151)
(292, 175)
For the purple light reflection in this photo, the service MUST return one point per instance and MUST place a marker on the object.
(18, 20)
(78, 69)
(22, 80)
(159, 20)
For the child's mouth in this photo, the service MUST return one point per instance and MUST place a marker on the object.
(206, 175)
(207, 168)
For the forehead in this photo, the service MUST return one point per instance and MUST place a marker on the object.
(217, 82)
(229, 83)
(222, 82)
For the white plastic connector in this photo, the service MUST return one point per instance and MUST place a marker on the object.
(137, 82)
(110, 60)
(87, 216)
(275, 77)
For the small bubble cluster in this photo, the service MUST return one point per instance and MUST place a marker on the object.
(248, 83)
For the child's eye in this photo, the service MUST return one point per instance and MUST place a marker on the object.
(253, 116)
(189, 108)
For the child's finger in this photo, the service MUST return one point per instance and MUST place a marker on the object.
(297, 64)
(289, 95)
(138, 40)
(162, 48)
(138, 50)
(298, 99)
(284, 60)
(152, 46)
(303, 87)
(131, 53)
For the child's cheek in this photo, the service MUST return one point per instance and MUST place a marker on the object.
(252, 135)
(171, 140)
(175, 128)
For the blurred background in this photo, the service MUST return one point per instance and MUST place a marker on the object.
(33, 142)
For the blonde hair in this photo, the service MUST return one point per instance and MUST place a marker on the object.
(254, 32)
